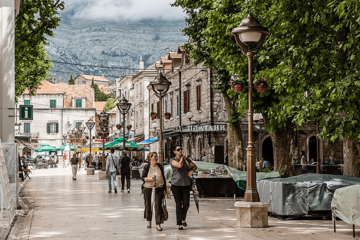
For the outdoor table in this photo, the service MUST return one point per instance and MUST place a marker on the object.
(217, 186)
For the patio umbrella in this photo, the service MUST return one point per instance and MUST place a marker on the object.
(195, 193)
(62, 148)
(118, 144)
(45, 148)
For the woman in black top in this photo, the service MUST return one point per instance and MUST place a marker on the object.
(150, 170)
(182, 169)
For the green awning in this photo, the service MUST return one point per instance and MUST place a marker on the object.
(62, 148)
(45, 148)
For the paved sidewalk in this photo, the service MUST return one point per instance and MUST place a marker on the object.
(82, 209)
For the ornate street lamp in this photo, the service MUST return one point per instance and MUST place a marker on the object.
(103, 118)
(124, 106)
(250, 36)
(90, 125)
(160, 86)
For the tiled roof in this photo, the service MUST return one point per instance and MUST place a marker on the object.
(99, 106)
(47, 87)
(175, 55)
(96, 78)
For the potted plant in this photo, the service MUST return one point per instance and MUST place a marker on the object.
(87, 137)
(238, 85)
(153, 115)
(93, 137)
(118, 126)
(262, 85)
(167, 115)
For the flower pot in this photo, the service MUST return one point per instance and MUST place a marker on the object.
(261, 89)
(118, 126)
(153, 116)
(232, 84)
(239, 88)
(167, 115)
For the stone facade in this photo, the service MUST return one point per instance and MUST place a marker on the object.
(83, 79)
(61, 118)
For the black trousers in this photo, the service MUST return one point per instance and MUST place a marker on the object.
(159, 214)
(182, 201)
(127, 176)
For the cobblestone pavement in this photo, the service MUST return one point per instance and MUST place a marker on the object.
(82, 209)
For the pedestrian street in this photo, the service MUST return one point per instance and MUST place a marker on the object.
(83, 209)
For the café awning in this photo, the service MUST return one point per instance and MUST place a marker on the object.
(149, 140)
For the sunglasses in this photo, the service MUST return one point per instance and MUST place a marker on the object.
(179, 149)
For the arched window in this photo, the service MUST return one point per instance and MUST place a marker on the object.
(189, 147)
(199, 149)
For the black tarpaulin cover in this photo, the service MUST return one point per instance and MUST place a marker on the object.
(296, 196)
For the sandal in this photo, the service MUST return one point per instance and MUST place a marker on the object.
(158, 228)
(181, 227)
(184, 223)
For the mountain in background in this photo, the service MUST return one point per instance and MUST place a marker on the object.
(117, 44)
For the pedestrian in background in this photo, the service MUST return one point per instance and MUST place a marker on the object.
(112, 163)
(150, 170)
(74, 161)
(125, 172)
(182, 170)
(203, 157)
(64, 160)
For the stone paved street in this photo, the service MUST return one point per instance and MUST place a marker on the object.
(82, 209)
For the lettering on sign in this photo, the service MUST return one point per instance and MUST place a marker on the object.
(207, 128)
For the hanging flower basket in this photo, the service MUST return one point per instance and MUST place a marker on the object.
(167, 115)
(84, 140)
(153, 115)
(239, 88)
(262, 85)
(87, 137)
(93, 137)
(129, 127)
(118, 126)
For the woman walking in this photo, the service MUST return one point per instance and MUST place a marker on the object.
(182, 169)
(150, 170)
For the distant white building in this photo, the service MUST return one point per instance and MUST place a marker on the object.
(83, 79)
(57, 108)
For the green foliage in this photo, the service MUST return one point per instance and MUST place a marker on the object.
(71, 80)
(109, 105)
(36, 21)
(99, 95)
(312, 48)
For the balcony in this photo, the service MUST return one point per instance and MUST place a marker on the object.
(26, 135)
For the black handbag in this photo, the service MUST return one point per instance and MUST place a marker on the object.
(166, 213)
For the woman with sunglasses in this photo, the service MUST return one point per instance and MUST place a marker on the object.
(150, 170)
(182, 169)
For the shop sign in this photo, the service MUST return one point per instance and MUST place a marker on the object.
(207, 128)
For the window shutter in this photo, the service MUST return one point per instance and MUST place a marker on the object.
(198, 96)
(48, 127)
(185, 104)
(57, 127)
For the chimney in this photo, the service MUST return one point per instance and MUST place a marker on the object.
(141, 65)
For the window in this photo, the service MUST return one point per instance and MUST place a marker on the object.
(78, 124)
(26, 102)
(186, 101)
(177, 105)
(171, 105)
(53, 103)
(198, 97)
(79, 103)
(26, 127)
(152, 107)
(52, 127)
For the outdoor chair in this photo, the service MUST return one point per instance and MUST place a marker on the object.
(27, 173)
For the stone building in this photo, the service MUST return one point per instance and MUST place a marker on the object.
(57, 108)
(83, 79)
(197, 111)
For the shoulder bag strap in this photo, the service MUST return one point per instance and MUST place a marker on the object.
(113, 160)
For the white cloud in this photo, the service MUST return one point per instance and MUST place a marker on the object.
(124, 9)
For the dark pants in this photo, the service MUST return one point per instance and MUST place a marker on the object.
(159, 214)
(182, 200)
(127, 176)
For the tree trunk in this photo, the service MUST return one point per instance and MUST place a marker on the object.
(236, 156)
(284, 149)
(351, 157)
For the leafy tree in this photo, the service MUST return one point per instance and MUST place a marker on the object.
(99, 95)
(36, 21)
(71, 80)
(312, 49)
(109, 105)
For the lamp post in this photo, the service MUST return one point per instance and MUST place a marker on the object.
(250, 36)
(81, 132)
(124, 106)
(103, 122)
(90, 125)
(160, 86)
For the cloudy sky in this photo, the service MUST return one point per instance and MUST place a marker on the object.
(124, 9)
